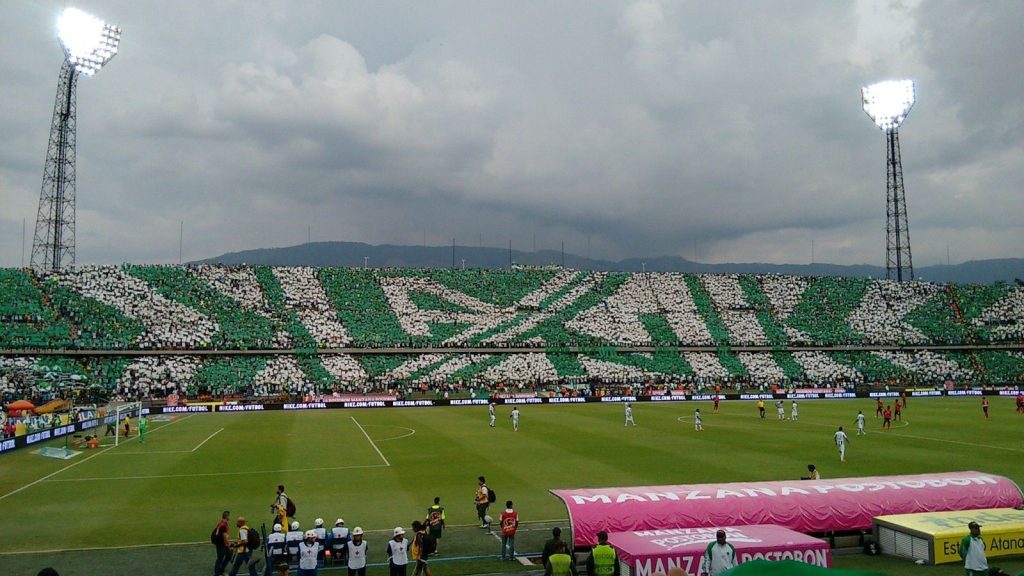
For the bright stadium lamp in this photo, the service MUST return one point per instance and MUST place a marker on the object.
(888, 103)
(89, 43)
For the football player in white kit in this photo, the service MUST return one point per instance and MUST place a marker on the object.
(840, 438)
(515, 418)
(629, 415)
(490, 412)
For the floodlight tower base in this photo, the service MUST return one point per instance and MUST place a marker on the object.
(899, 265)
(53, 246)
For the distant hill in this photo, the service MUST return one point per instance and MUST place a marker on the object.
(388, 255)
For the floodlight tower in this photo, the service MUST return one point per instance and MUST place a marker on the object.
(88, 44)
(888, 103)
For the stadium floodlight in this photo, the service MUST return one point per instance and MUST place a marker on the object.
(88, 43)
(888, 103)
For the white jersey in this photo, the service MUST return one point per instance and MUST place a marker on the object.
(515, 418)
(356, 555)
(339, 534)
(308, 554)
(794, 414)
(398, 551)
(629, 415)
(274, 542)
(293, 538)
(840, 438)
(860, 421)
(490, 412)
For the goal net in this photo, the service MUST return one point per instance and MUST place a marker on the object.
(124, 416)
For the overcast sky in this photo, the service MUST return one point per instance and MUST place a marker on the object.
(729, 131)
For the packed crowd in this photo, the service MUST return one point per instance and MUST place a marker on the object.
(307, 313)
(228, 308)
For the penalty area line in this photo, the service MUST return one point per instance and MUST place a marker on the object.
(200, 445)
(52, 474)
(370, 440)
(86, 459)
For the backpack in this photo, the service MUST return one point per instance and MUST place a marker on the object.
(290, 508)
(252, 539)
(217, 536)
(428, 545)
(491, 496)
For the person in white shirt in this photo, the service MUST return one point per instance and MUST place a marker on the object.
(629, 415)
(515, 418)
(321, 537)
(860, 423)
(278, 553)
(840, 438)
(972, 550)
(309, 550)
(698, 421)
(780, 407)
(357, 553)
(398, 553)
(490, 412)
(718, 557)
(292, 538)
(339, 541)
(794, 415)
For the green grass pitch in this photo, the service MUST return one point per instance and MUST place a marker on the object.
(378, 468)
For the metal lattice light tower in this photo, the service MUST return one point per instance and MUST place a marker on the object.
(888, 103)
(88, 44)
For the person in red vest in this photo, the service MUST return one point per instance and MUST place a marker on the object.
(898, 411)
(509, 525)
(887, 418)
(984, 406)
(878, 407)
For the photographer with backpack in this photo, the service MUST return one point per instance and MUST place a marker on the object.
(282, 507)
(483, 498)
(248, 542)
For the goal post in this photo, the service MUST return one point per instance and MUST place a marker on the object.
(120, 411)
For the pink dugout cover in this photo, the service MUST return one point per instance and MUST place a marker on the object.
(802, 505)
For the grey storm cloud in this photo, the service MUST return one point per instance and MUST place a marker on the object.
(648, 127)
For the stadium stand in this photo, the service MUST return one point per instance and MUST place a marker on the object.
(233, 330)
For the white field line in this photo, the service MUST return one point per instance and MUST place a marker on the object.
(201, 474)
(30, 484)
(96, 548)
(52, 474)
(150, 452)
(411, 431)
(370, 440)
(198, 446)
(522, 528)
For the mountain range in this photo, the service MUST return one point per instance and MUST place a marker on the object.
(397, 256)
